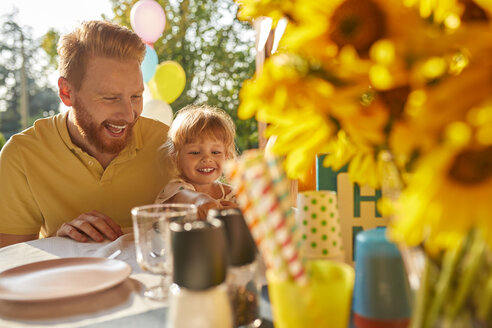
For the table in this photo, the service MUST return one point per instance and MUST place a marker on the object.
(121, 306)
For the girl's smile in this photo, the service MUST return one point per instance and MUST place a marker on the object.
(202, 160)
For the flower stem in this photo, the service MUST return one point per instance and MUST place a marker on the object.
(442, 287)
(422, 296)
(471, 269)
(483, 311)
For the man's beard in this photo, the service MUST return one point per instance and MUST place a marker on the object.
(95, 133)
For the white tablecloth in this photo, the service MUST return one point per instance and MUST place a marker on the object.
(121, 306)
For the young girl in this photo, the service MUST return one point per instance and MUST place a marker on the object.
(200, 140)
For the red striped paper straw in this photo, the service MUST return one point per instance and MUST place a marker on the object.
(263, 190)
(276, 222)
(256, 223)
(282, 186)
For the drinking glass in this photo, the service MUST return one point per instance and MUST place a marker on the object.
(152, 241)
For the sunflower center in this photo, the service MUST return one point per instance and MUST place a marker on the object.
(359, 23)
(349, 26)
(472, 166)
(395, 99)
(473, 12)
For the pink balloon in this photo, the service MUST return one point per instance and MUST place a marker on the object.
(148, 20)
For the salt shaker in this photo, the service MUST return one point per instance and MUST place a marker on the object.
(198, 296)
(243, 266)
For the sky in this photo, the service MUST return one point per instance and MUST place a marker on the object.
(62, 15)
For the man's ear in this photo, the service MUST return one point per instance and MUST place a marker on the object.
(65, 91)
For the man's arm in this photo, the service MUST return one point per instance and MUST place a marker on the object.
(20, 217)
(8, 239)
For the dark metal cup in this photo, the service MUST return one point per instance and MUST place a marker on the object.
(199, 251)
(241, 248)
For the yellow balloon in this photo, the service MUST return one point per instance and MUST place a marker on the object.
(168, 81)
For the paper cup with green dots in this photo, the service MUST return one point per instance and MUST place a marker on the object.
(320, 225)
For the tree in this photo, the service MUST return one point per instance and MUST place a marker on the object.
(16, 44)
(2, 140)
(215, 50)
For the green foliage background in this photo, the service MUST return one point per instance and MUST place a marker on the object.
(2, 140)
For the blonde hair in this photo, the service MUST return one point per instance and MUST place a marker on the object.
(195, 122)
(95, 38)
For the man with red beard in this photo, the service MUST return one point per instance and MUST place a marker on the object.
(79, 173)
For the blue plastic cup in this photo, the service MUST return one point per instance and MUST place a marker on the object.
(382, 295)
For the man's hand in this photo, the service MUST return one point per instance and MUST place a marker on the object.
(93, 225)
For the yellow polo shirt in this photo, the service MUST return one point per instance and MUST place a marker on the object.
(46, 180)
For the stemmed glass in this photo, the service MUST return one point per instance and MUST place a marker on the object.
(152, 241)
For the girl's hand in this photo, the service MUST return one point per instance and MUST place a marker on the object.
(204, 206)
(228, 204)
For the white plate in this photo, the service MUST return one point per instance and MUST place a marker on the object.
(59, 278)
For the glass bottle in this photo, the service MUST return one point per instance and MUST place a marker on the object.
(242, 272)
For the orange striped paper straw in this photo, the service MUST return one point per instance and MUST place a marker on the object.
(266, 198)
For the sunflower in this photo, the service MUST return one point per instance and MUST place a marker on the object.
(452, 12)
(323, 28)
(450, 100)
(367, 116)
(296, 103)
(340, 150)
(365, 126)
(275, 9)
(290, 90)
(448, 195)
(485, 5)
(364, 169)
(285, 85)
(300, 136)
(364, 162)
